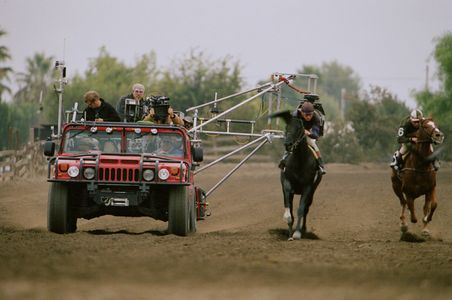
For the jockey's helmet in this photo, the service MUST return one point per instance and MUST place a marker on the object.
(416, 115)
(307, 107)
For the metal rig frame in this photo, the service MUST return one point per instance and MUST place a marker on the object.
(266, 136)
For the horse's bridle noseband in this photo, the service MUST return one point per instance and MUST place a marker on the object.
(430, 139)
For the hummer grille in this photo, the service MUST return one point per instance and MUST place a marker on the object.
(118, 174)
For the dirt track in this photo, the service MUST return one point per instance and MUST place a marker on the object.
(240, 252)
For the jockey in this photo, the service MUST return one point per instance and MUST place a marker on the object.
(405, 136)
(311, 124)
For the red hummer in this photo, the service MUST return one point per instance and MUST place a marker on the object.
(124, 169)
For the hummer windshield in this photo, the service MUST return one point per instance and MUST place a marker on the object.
(162, 144)
(83, 140)
(139, 141)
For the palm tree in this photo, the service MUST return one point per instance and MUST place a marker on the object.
(36, 79)
(4, 71)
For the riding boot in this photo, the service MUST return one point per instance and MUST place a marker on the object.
(321, 165)
(320, 162)
(397, 161)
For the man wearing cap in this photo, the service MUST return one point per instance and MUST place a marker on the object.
(406, 135)
(311, 124)
(138, 95)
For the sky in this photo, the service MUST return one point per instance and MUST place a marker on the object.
(386, 42)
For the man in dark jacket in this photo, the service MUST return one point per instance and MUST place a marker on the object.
(312, 125)
(98, 110)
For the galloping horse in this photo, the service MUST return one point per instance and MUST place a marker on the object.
(300, 176)
(418, 177)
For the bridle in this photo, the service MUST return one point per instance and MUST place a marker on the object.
(300, 138)
(422, 130)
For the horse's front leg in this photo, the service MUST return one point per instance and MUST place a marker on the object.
(429, 208)
(410, 203)
(301, 212)
(288, 217)
(397, 187)
(305, 213)
(288, 206)
(403, 224)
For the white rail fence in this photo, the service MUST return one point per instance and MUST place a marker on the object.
(24, 163)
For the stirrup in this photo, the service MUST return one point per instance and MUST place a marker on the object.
(396, 167)
(436, 165)
(322, 170)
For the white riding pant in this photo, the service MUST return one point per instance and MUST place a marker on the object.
(312, 143)
(403, 150)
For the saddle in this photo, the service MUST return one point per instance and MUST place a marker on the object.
(313, 152)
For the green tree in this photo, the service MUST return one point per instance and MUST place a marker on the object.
(34, 82)
(333, 77)
(375, 120)
(195, 78)
(439, 104)
(443, 55)
(340, 144)
(4, 71)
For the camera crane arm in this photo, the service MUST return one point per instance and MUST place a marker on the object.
(269, 86)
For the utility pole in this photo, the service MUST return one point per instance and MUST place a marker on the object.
(62, 81)
(426, 78)
(342, 103)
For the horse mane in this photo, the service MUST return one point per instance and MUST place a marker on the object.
(294, 126)
(286, 115)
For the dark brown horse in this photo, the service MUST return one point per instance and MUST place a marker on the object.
(418, 177)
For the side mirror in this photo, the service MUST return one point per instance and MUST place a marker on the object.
(198, 154)
(49, 148)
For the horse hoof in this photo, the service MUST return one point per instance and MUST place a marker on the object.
(426, 220)
(290, 239)
(297, 235)
(404, 228)
(425, 233)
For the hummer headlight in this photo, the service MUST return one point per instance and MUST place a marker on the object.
(89, 173)
(73, 171)
(148, 175)
(163, 174)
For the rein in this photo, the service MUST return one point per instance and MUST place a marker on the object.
(298, 141)
(417, 170)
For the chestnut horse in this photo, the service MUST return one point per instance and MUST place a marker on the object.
(417, 176)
